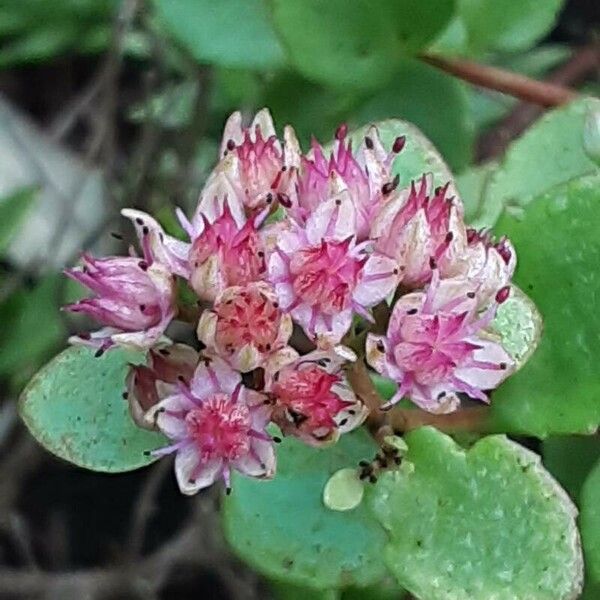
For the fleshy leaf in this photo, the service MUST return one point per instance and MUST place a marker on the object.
(558, 245)
(590, 522)
(547, 154)
(74, 408)
(355, 44)
(485, 523)
(283, 529)
(519, 325)
(228, 33)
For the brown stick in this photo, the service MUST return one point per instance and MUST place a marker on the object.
(573, 72)
(514, 84)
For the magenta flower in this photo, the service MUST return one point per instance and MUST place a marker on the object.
(421, 227)
(248, 329)
(254, 167)
(225, 252)
(135, 300)
(313, 400)
(216, 425)
(148, 384)
(366, 175)
(437, 346)
(322, 276)
(489, 264)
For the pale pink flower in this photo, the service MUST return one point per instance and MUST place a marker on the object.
(437, 346)
(248, 328)
(322, 276)
(147, 385)
(225, 252)
(135, 300)
(312, 399)
(366, 175)
(488, 263)
(216, 425)
(421, 227)
(254, 166)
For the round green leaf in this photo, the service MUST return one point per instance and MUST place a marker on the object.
(505, 24)
(590, 522)
(434, 102)
(485, 523)
(228, 33)
(549, 153)
(74, 408)
(418, 155)
(558, 250)
(338, 42)
(519, 325)
(283, 529)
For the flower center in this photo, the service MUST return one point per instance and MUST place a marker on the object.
(326, 275)
(308, 393)
(250, 317)
(220, 428)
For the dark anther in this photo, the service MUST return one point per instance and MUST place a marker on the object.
(260, 254)
(470, 294)
(125, 395)
(449, 237)
(363, 463)
(275, 304)
(139, 221)
(503, 366)
(338, 202)
(268, 347)
(269, 198)
(143, 265)
(284, 200)
(147, 452)
(342, 422)
(369, 143)
(341, 131)
(351, 412)
(503, 294)
(116, 235)
(380, 347)
(142, 307)
(372, 479)
(399, 144)
(99, 352)
(284, 168)
(145, 230)
(437, 190)
(396, 271)
(181, 378)
(432, 263)
(164, 352)
(276, 439)
(230, 145)
(228, 491)
(412, 311)
(441, 395)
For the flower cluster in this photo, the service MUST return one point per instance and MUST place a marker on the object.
(288, 254)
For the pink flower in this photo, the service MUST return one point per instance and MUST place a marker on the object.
(254, 166)
(488, 264)
(437, 346)
(313, 400)
(247, 328)
(149, 384)
(135, 300)
(366, 176)
(322, 276)
(225, 253)
(421, 227)
(216, 425)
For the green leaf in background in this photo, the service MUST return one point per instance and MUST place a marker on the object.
(228, 33)
(418, 155)
(558, 250)
(339, 43)
(13, 209)
(32, 329)
(472, 185)
(485, 523)
(590, 522)
(570, 458)
(74, 408)
(492, 25)
(434, 102)
(548, 153)
(282, 528)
